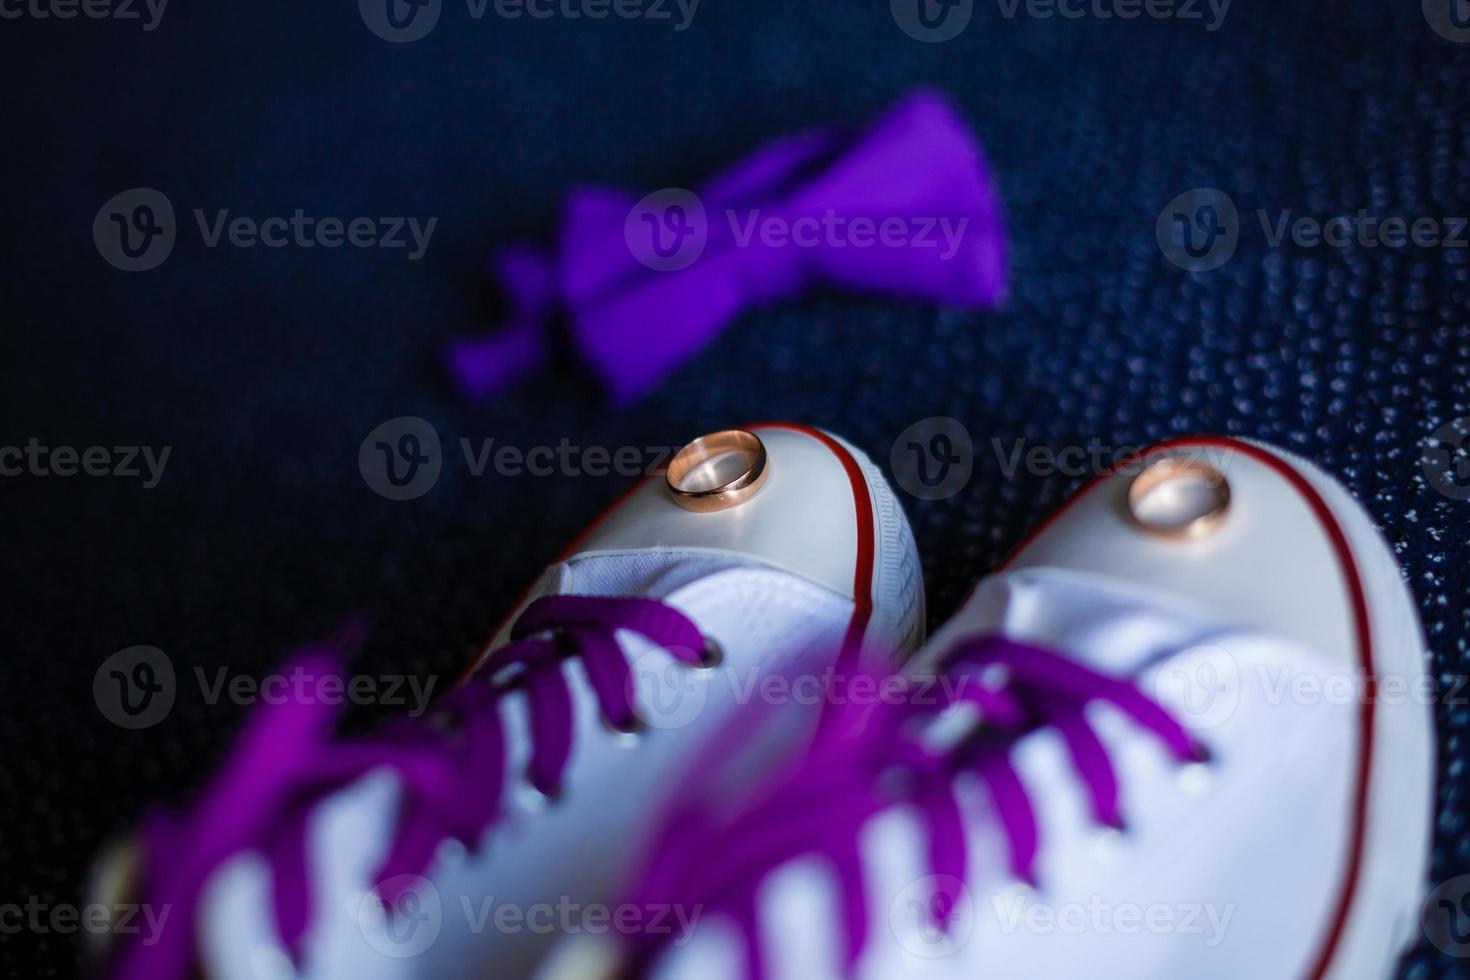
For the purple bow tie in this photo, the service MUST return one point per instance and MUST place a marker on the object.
(905, 208)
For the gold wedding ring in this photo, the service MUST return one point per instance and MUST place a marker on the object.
(1179, 497)
(717, 471)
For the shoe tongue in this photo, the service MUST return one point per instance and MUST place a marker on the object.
(653, 574)
(1113, 628)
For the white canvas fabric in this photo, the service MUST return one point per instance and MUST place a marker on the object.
(778, 603)
(544, 854)
(1218, 874)
(1260, 635)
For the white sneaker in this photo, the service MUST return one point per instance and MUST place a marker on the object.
(817, 559)
(1262, 619)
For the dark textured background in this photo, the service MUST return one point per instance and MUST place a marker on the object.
(264, 369)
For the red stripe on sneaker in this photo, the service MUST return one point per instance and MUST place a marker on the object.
(1347, 889)
(862, 586)
(862, 505)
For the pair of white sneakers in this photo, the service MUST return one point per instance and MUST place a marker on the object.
(1183, 730)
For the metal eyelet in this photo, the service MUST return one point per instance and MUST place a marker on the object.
(712, 655)
(625, 732)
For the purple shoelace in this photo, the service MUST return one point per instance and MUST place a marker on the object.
(874, 758)
(450, 763)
